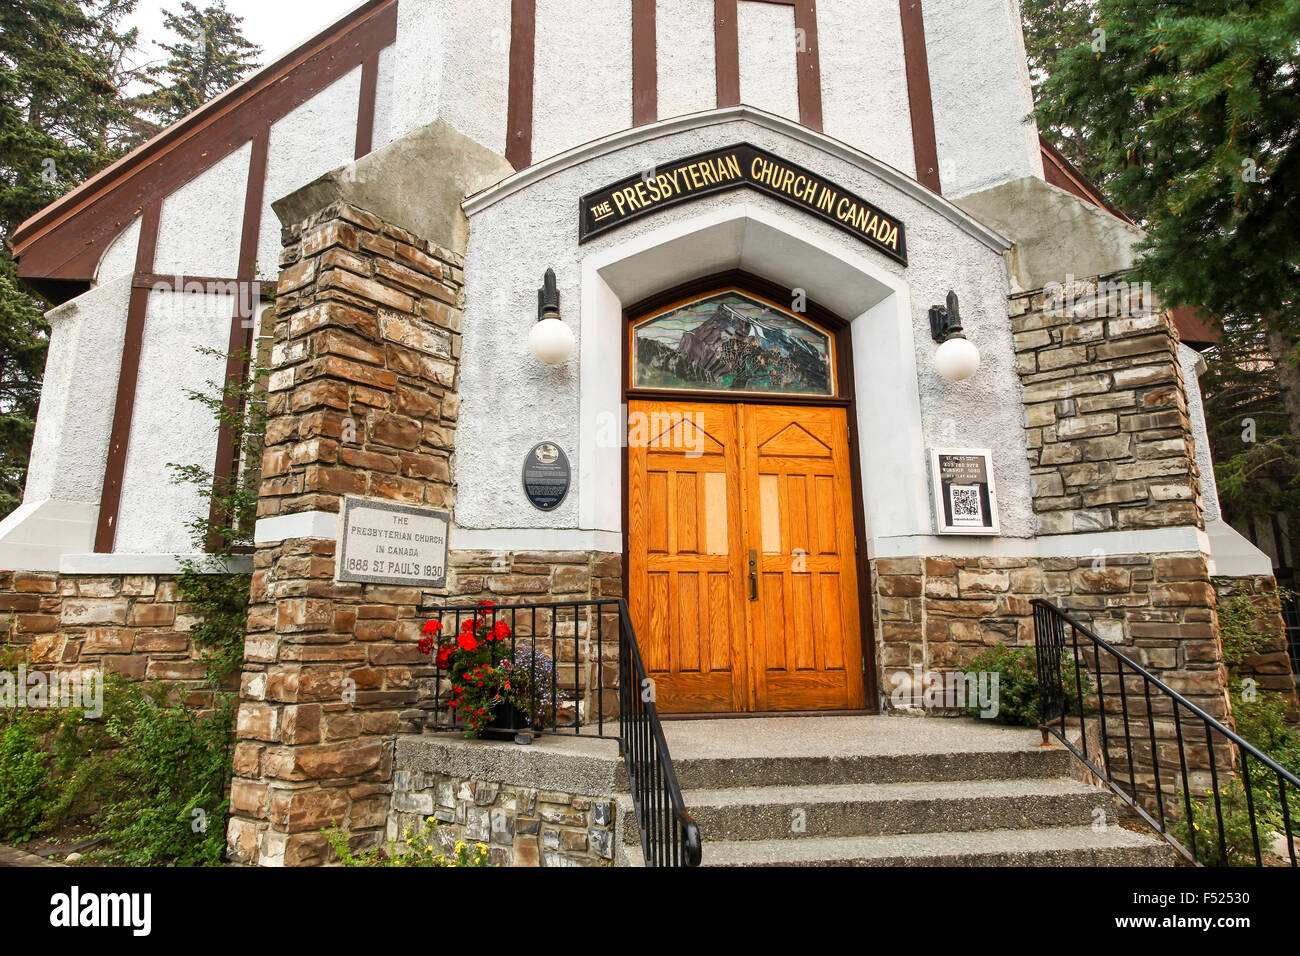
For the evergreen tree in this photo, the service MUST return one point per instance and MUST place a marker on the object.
(1051, 26)
(1191, 108)
(62, 118)
(211, 55)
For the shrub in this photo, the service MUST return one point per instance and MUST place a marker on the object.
(1017, 693)
(24, 784)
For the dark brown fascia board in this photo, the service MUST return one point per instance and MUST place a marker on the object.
(65, 240)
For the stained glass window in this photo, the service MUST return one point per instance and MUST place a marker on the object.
(730, 342)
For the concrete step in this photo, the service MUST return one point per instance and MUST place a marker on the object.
(835, 810)
(1048, 846)
(716, 773)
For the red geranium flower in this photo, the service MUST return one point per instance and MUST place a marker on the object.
(432, 627)
(501, 631)
(444, 657)
(467, 642)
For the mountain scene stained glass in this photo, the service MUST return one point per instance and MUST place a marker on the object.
(728, 342)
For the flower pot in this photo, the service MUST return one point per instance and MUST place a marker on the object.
(507, 722)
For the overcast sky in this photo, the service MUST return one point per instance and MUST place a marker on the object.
(275, 25)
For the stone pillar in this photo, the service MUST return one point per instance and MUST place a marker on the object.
(361, 400)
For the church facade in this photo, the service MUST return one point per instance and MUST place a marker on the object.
(777, 319)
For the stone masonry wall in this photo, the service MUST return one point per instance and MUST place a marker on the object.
(1110, 441)
(521, 825)
(362, 400)
(134, 624)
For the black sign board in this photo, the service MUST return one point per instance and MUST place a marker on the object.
(965, 499)
(731, 168)
(546, 476)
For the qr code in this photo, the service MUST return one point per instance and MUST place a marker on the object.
(965, 503)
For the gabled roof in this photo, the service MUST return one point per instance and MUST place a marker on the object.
(59, 248)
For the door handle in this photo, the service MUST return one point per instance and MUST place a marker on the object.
(753, 574)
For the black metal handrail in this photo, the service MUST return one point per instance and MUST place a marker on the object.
(669, 836)
(1050, 624)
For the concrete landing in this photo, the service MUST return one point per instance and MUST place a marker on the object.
(766, 737)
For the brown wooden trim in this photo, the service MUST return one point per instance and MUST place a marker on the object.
(110, 496)
(917, 66)
(214, 285)
(67, 239)
(726, 39)
(240, 343)
(846, 386)
(809, 63)
(366, 106)
(519, 109)
(726, 52)
(645, 63)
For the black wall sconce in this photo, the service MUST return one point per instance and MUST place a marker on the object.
(957, 359)
(551, 340)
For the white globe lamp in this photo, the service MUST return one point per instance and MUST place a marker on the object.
(957, 359)
(550, 341)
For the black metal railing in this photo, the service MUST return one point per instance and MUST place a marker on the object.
(1157, 751)
(567, 649)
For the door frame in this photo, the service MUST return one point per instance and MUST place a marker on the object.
(846, 398)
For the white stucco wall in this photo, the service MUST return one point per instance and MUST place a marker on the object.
(385, 97)
(200, 224)
(864, 81)
(308, 142)
(168, 428)
(979, 82)
(685, 57)
(895, 379)
(769, 76)
(582, 73)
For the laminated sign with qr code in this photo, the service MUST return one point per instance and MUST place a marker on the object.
(965, 499)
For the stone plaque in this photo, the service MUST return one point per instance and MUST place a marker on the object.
(384, 542)
(546, 476)
(965, 498)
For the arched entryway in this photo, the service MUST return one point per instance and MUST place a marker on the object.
(744, 572)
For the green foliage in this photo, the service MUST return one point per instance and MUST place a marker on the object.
(1192, 108)
(1050, 27)
(135, 775)
(210, 55)
(1017, 670)
(24, 784)
(1238, 840)
(427, 847)
(167, 801)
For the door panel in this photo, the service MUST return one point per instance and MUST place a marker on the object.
(709, 485)
(799, 457)
(684, 536)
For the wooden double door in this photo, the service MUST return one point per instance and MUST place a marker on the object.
(742, 573)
